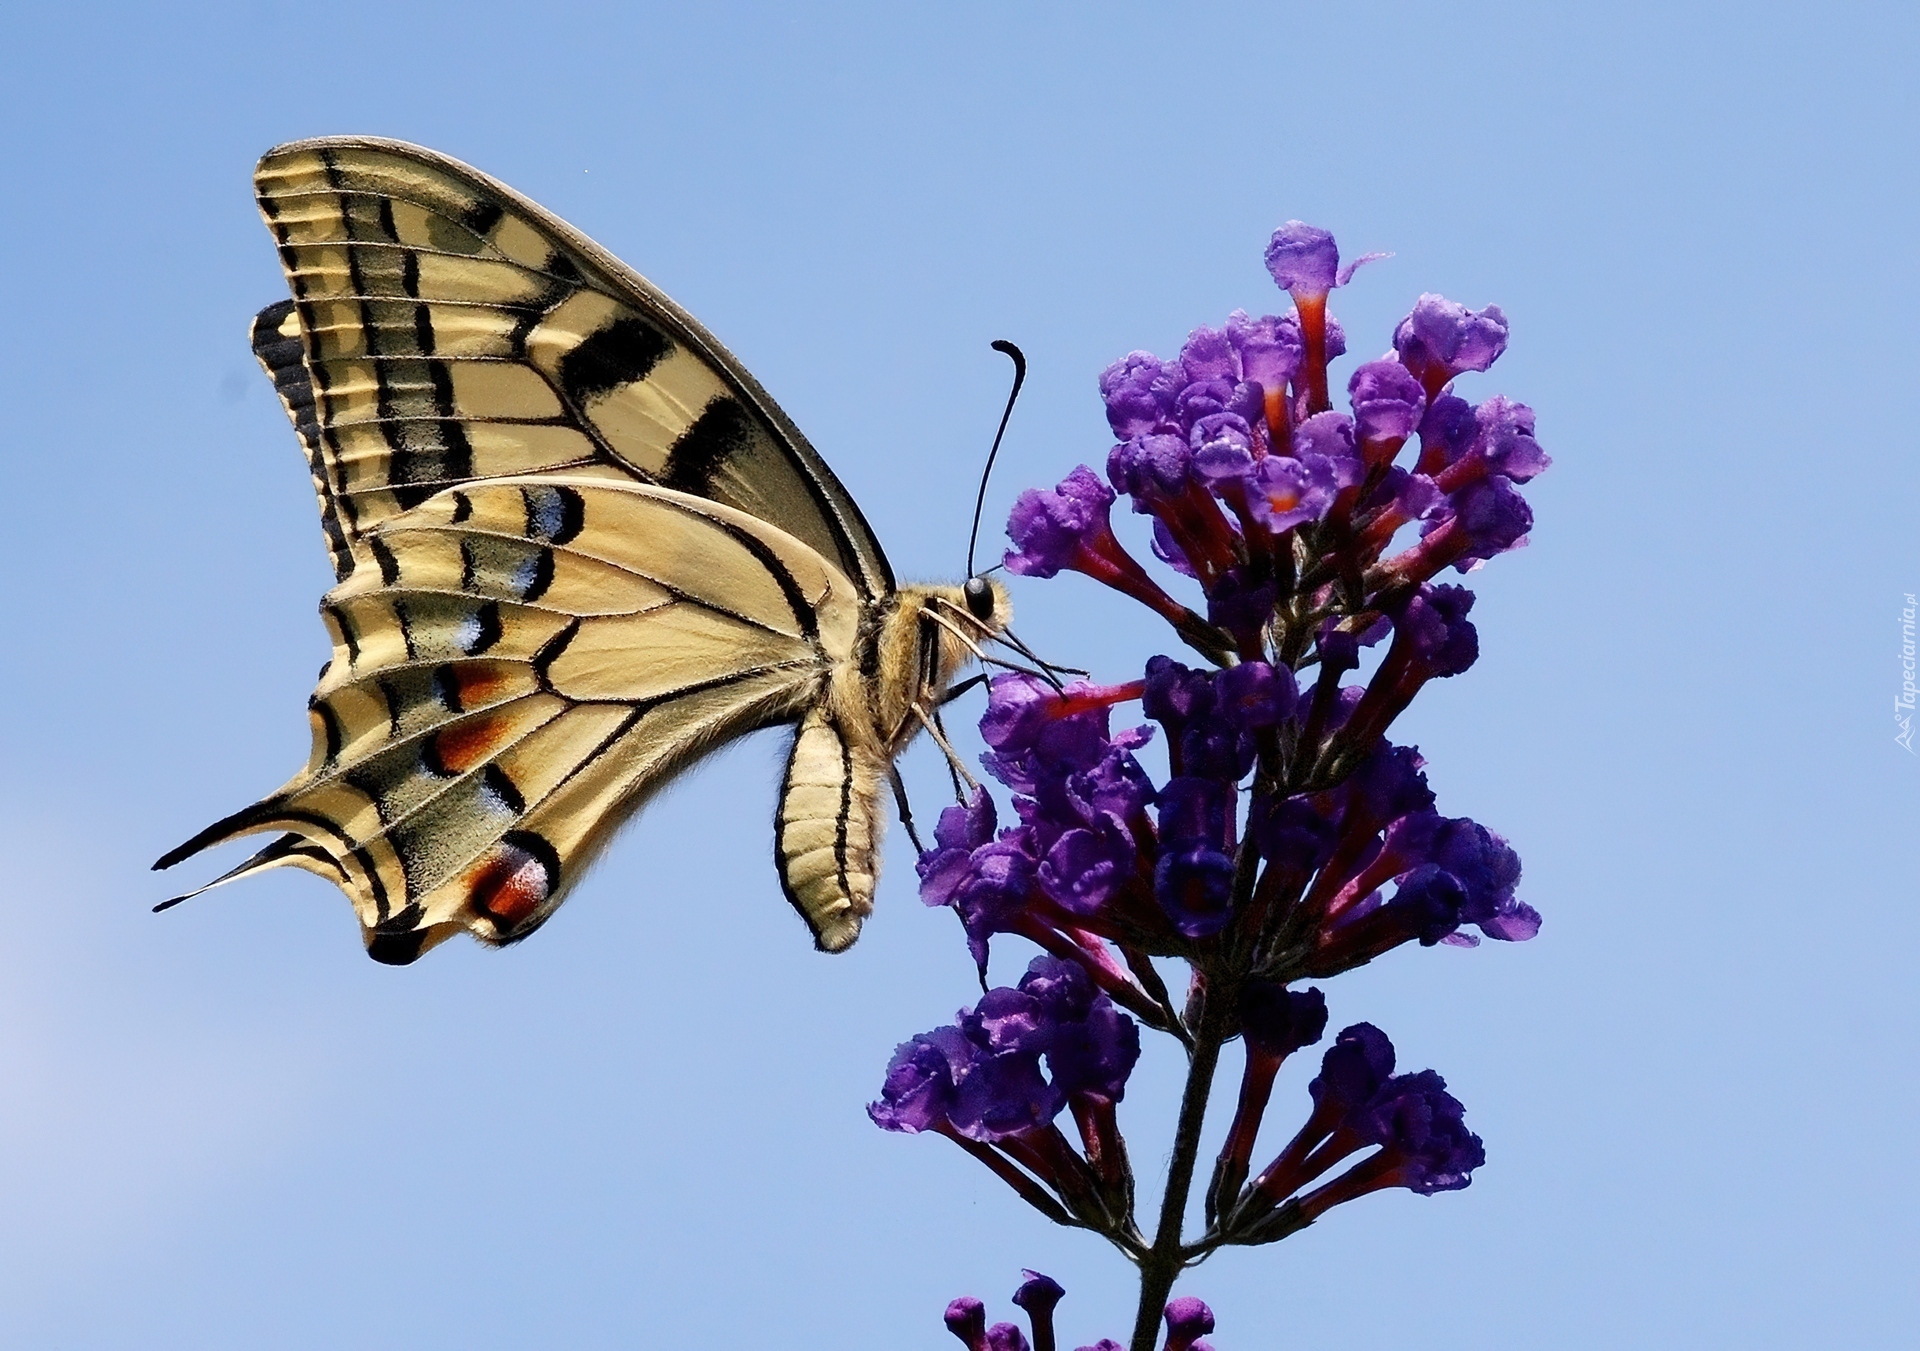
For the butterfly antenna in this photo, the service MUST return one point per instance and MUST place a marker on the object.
(980, 502)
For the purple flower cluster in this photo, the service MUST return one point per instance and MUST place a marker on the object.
(1290, 839)
(1254, 482)
(1416, 1129)
(981, 1077)
(1188, 1320)
(979, 1082)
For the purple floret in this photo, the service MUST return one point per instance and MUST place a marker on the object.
(1222, 447)
(1006, 1337)
(1504, 436)
(1270, 350)
(1442, 339)
(1095, 1054)
(1440, 639)
(1086, 865)
(1051, 530)
(966, 1318)
(919, 1087)
(1387, 401)
(1150, 468)
(1303, 259)
(1003, 1095)
(1139, 390)
(1188, 1319)
(1327, 439)
(1209, 355)
(1283, 492)
(1255, 694)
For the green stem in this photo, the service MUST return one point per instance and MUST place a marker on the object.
(1162, 1263)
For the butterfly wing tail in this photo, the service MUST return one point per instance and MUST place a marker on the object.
(289, 851)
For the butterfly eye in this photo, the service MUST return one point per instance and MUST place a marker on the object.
(979, 598)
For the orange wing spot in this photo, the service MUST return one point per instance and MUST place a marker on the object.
(478, 684)
(459, 748)
(509, 884)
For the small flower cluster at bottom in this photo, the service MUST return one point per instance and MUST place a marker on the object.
(1188, 1321)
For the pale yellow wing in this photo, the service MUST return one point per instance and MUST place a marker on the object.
(445, 329)
(517, 665)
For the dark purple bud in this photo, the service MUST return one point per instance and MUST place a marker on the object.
(1051, 530)
(1038, 1295)
(1175, 694)
(1195, 812)
(1354, 1067)
(1279, 1021)
(1006, 1337)
(967, 1320)
(1441, 339)
(1303, 259)
(1207, 355)
(1296, 833)
(1139, 390)
(1389, 784)
(1195, 889)
(1269, 352)
(1387, 401)
(1426, 905)
(1188, 1319)
(1241, 607)
(1104, 1344)
(1433, 623)
(919, 1087)
(1254, 694)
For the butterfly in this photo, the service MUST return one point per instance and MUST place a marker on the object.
(577, 546)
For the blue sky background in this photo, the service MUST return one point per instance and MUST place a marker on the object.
(224, 1127)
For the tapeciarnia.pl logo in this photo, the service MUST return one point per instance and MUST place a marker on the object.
(1903, 702)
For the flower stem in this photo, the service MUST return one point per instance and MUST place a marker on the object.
(1162, 1263)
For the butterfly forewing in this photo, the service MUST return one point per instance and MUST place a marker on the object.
(451, 330)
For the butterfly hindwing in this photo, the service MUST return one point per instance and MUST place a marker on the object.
(452, 331)
(517, 665)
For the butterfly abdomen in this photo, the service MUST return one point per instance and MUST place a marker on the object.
(826, 829)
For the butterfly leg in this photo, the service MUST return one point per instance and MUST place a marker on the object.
(955, 765)
(906, 811)
(956, 691)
